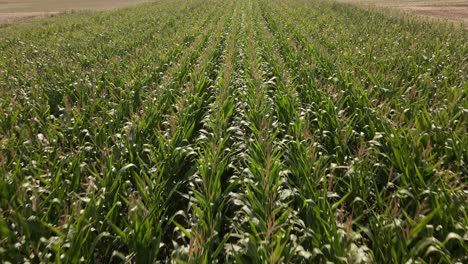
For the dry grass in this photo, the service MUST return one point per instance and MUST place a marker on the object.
(14, 10)
(8, 18)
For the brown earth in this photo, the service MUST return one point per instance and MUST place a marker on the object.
(14, 10)
(8, 18)
(453, 10)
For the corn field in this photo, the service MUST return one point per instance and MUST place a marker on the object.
(248, 131)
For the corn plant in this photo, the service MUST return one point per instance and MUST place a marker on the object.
(251, 131)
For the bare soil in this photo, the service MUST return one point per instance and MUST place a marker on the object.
(14, 10)
(8, 18)
(453, 10)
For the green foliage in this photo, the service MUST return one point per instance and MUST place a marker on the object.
(234, 131)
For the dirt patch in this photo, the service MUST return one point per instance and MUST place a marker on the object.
(455, 10)
(8, 18)
(449, 13)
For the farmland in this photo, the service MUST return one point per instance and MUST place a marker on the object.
(250, 131)
(453, 10)
(14, 10)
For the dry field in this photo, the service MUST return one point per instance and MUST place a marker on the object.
(14, 10)
(454, 10)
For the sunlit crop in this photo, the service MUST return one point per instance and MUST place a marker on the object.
(250, 131)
